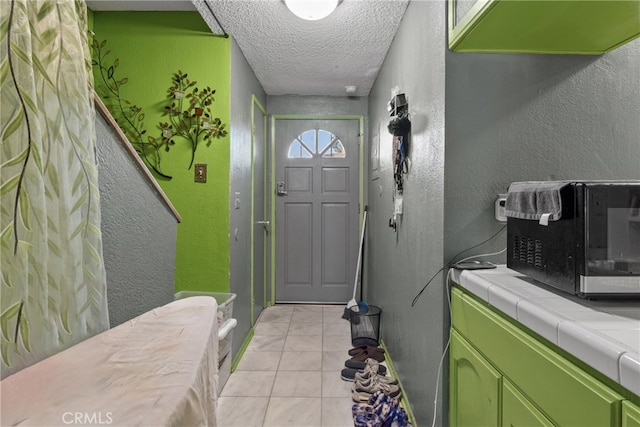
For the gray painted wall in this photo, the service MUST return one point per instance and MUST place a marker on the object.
(399, 264)
(317, 105)
(138, 232)
(533, 117)
(243, 85)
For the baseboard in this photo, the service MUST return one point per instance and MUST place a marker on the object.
(404, 400)
(241, 350)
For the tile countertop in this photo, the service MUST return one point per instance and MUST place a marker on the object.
(604, 334)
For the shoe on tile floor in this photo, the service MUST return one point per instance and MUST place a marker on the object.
(365, 352)
(359, 365)
(349, 374)
(371, 365)
(360, 396)
(373, 386)
(362, 377)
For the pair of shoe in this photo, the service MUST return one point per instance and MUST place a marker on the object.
(372, 369)
(368, 376)
(363, 353)
(379, 411)
(362, 392)
(353, 368)
(369, 382)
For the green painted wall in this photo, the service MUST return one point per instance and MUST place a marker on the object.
(151, 46)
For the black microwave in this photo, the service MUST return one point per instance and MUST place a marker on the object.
(582, 237)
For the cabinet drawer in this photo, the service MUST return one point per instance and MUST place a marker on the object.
(518, 411)
(630, 414)
(565, 393)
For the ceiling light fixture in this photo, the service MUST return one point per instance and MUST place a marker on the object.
(311, 10)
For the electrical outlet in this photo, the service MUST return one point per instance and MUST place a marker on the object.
(500, 207)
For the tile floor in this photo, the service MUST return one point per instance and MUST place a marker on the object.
(290, 373)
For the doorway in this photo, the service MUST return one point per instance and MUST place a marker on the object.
(259, 216)
(317, 195)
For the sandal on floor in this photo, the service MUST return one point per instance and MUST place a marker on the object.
(357, 350)
(370, 353)
(378, 356)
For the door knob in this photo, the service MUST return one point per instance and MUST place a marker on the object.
(281, 189)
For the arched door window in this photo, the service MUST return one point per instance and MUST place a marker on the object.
(316, 143)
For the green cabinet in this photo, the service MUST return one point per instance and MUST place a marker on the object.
(588, 27)
(475, 401)
(518, 411)
(541, 386)
(630, 415)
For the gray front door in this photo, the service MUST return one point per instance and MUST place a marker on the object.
(317, 182)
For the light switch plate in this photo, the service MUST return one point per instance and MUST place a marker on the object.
(200, 172)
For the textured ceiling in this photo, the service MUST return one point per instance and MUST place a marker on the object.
(291, 56)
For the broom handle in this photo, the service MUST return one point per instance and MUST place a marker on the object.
(364, 224)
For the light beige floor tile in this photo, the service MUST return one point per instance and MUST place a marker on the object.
(335, 328)
(281, 308)
(306, 389)
(334, 386)
(249, 384)
(336, 343)
(307, 308)
(336, 412)
(275, 316)
(307, 317)
(334, 360)
(266, 343)
(300, 361)
(260, 361)
(241, 411)
(303, 343)
(305, 329)
(294, 411)
(271, 328)
(334, 315)
(297, 384)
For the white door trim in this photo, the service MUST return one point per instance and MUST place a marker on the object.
(272, 172)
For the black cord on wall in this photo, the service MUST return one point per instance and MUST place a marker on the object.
(447, 265)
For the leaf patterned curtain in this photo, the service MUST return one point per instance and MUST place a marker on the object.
(53, 284)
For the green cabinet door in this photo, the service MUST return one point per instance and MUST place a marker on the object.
(567, 394)
(630, 414)
(475, 387)
(517, 411)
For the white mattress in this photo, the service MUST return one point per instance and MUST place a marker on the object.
(159, 369)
